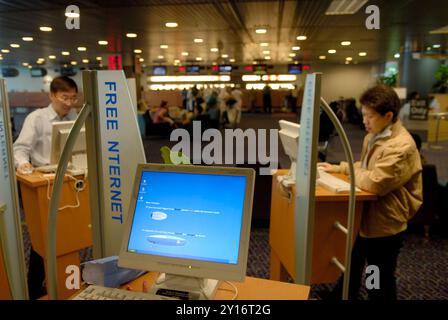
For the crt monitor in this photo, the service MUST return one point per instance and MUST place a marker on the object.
(183, 223)
(59, 135)
(289, 136)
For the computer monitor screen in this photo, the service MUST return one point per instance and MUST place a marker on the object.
(182, 222)
(193, 69)
(225, 68)
(289, 136)
(260, 68)
(59, 135)
(159, 70)
(295, 68)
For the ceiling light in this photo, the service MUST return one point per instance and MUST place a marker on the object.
(443, 30)
(264, 44)
(1, 58)
(214, 49)
(267, 58)
(103, 43)
(82, 48)
(347, 62)
(131, 35)
(73, 63)
(141, 59)
(198, 40)
(171, 24)
(27, 39)
(254, 62)
(338, 7)
(160, 57)
(46, 29)
(224, 56)
(15, 45)
(25, 64)
(301, 38)
(397, 55)
(428, 48)
(266, 52)
(99, 58)
(198, 59)
(52, 57)
(163, 46)
(261, 30)
(349, 58)
(362, 54)
(332, 51)
(292, 54)
(322, 57)
(40, 61)
(176, 61)
(65, 53)
(436, 46)
(137, 50)
(184, 53)
(85, 60)
(232, 60)
(5, 50)
(345, 43)
(72, 14)
(296, 48)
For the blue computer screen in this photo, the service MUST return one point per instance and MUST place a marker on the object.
(191, 216)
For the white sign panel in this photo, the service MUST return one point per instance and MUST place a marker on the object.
(119, 150)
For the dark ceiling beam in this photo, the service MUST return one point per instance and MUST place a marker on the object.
(238, 17)
(281, 7)
(220, 9)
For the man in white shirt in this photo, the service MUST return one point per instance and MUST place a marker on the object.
(32, 147)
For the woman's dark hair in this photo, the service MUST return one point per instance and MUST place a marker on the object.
(382, 99)
(62, 83)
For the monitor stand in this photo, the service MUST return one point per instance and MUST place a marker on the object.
(185, 288)
(289, 179)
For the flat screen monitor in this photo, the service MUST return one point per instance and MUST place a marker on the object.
(193, 69)
(295, 68)
(183, 223)
(38, 72)
(260, 68)
(59, 135)
(159, 70)
(225, 68)
(289, 136)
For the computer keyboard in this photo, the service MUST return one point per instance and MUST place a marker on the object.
(48, 168)
(95, 292)
(332, 183)
(71, 169)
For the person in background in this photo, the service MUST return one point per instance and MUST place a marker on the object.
(406, 108)
(390, 167)
(267, 99)
(160, 114)
(32, 147)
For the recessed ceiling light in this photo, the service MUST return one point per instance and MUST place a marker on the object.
(292, 54)
(301, 38)
(322, 57)
(347, 62)
(362, 54)
(52, 57)
(138, 51)
(349, 58)
(40, 61)
(266, 52)
(261, 30)
(74, 63)
(436, 46)
(141, 59)
(254, 62)
(65, 53)
(428, 48)
(176, 61)
(232, 60)
(184, 53)
(85, 60)
(332, 51)
(27, 38)
(267, 58)
(103, 43)
(5, 50)
(163, 46)
(198, 40)
(46, 29)
(171, 24)
(198, 59)
(224, 56)
(296, 48)
(131, 35)
(345, 43)
(99, 58)
(82, 48)
(25, 64)
(264, 44)
(160, 57)
(397, 55)
(214, 49)
(15, 45)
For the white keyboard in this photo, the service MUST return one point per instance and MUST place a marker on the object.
(95, 292)
(71, 169)
(333, 183)
(51, 168)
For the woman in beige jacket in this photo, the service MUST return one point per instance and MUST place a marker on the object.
(390, 167)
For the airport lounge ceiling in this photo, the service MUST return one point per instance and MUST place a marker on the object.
(221, 31)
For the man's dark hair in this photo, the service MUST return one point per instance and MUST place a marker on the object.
(382, 99)
(62, 83)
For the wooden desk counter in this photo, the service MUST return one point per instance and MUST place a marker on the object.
(250, 289)
(73, 224)
(327, 242)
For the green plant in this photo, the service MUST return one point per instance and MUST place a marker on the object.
(389, 80)
(441, 75)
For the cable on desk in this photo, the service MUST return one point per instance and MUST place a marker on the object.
(235, 289)
(75, 186)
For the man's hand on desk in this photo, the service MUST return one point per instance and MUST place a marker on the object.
(326, 167)
(144, 287)
(25, 168)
